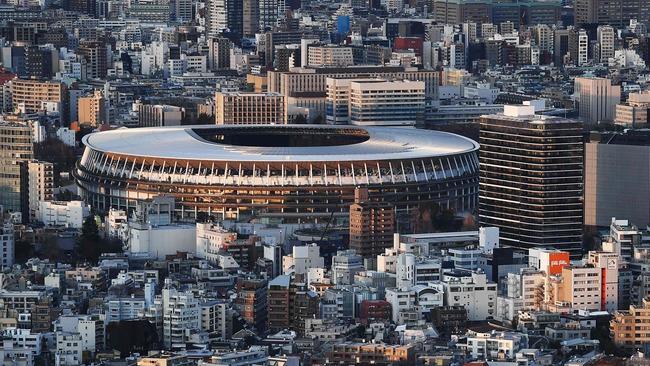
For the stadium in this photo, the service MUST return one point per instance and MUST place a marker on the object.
(294, 172)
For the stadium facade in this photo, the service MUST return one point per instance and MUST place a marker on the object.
(289, 171)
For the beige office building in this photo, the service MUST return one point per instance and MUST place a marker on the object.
(629, 328)
(159, 115)
(91, 110)
(312, 81)
(238, 108)
(387, 103)
(581, 287)
(597, 99)
(606, 38)
(31, 96)
(330, 56)
(635, 112)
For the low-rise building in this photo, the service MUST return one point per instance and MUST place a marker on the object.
(471, 290)
(59, 213)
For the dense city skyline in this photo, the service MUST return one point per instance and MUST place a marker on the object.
(333, 182)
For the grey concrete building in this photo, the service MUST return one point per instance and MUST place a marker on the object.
(617, 178)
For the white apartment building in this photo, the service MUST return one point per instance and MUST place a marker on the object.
(59, 213)
(482, 91)
(302, 259)
(216, 319)
(256, 355)
(527, 285)
(211, 239)
(427, 298)
(69, 349)
(90, 328)
(117, 224)
(608, 263)
(471, 290)
(23, 338)
(41, 185)
(412, 270)
(181, 316)
(124, 309)
(495, 345)
(67, 136)
(158, 241)
(486, 239)
(403, 304)
(583, 47)
(623, 235)
(346, 264)
(465, 258)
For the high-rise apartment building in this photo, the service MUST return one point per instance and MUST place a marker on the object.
(224, 15)
(181, 316)
(578, 46)
(543, 36)
(183, 11)
(95, 54)
(39, 61)
(41, 185)
(597, 99)
(270, 12)
(289, 304)
(531, 179)
(219, 53)
(16, 147)
(606, 37)
(91, 109)
(235, 108)
(372, 225)
(252, 301)
(251, 17)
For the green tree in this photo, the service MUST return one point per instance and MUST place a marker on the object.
(23, 251)
(319, 120)
(300, 120)
(56, 152)
(89, 243)
(204, 119)
(49, 248)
